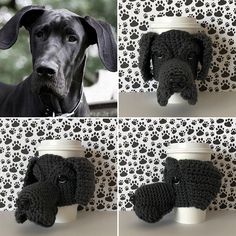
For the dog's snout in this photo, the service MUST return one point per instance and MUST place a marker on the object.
(46, 69)
(24, 204)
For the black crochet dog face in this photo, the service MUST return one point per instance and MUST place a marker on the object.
(187, 183)
(175, 56)
(50, 182)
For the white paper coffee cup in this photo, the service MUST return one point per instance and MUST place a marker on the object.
(189, 151)
(163, 24)
(64, 148)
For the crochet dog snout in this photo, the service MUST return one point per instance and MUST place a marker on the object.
(38, 203)
(187, 183)
(51, 182)
(152, 202)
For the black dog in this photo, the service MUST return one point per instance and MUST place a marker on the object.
(50, 182)
(58, 42)
(175, 55)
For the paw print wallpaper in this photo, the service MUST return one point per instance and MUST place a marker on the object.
(218, 20)
(142, 153)
(20, 137)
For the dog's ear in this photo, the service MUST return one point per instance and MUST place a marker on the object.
(145, 55)
(29, 175)
(85, 179)
(206, 54)
(102, 34)
(25, 17)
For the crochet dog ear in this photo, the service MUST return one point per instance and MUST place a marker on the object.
(145, 55)
(85, 179)
(29, 175)
(206, 54)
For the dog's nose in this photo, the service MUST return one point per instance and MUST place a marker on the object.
(46, 71)
(24, 204)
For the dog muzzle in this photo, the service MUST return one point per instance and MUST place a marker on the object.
(187, 183)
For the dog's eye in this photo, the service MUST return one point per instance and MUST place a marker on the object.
(39, 34)
(62, 179)
(175, 180)
(191, 56)
(71, 38)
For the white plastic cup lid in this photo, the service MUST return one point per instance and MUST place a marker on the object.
(175, 22)
(189, 148)
(60, 145)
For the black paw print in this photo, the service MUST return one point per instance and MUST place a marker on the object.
(232, 148)
(225, 84)
(143, 26)
(131, 46)
(7, 140)
(211, 29)
(112, 181)
(231, 197)
(25, 149)
(231, 32)
(110, 145)
(151, 152)
(124, 14)
(209, 12)
(137, 11)
(228, 122)
(129, 6)
(124, 63)
(142, 159)
(170, 11)
(162, 154)
(219, 129)
(140, 170)
(2, 203)
(160, 6)
(123, 172)
(218, 11)
(109, 197)
(16, 145)
(135, 65)
(134, 21)
(13, 168)
(165, 135)
(132, 55)
(142, 148)
(199, 14)
(29, 132)
(178, 12)
(199, 3)
(100, 205)
(179, 4)
(7, 184)
(147, 7)
(222, 204)
(223, 49)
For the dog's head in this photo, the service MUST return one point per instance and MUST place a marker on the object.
(58, 41)
(175, 56)
(52, 181)
(187, 183)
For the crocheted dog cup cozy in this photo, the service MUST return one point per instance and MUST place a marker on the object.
(51, 182)
(175, 56)
(187, 183)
